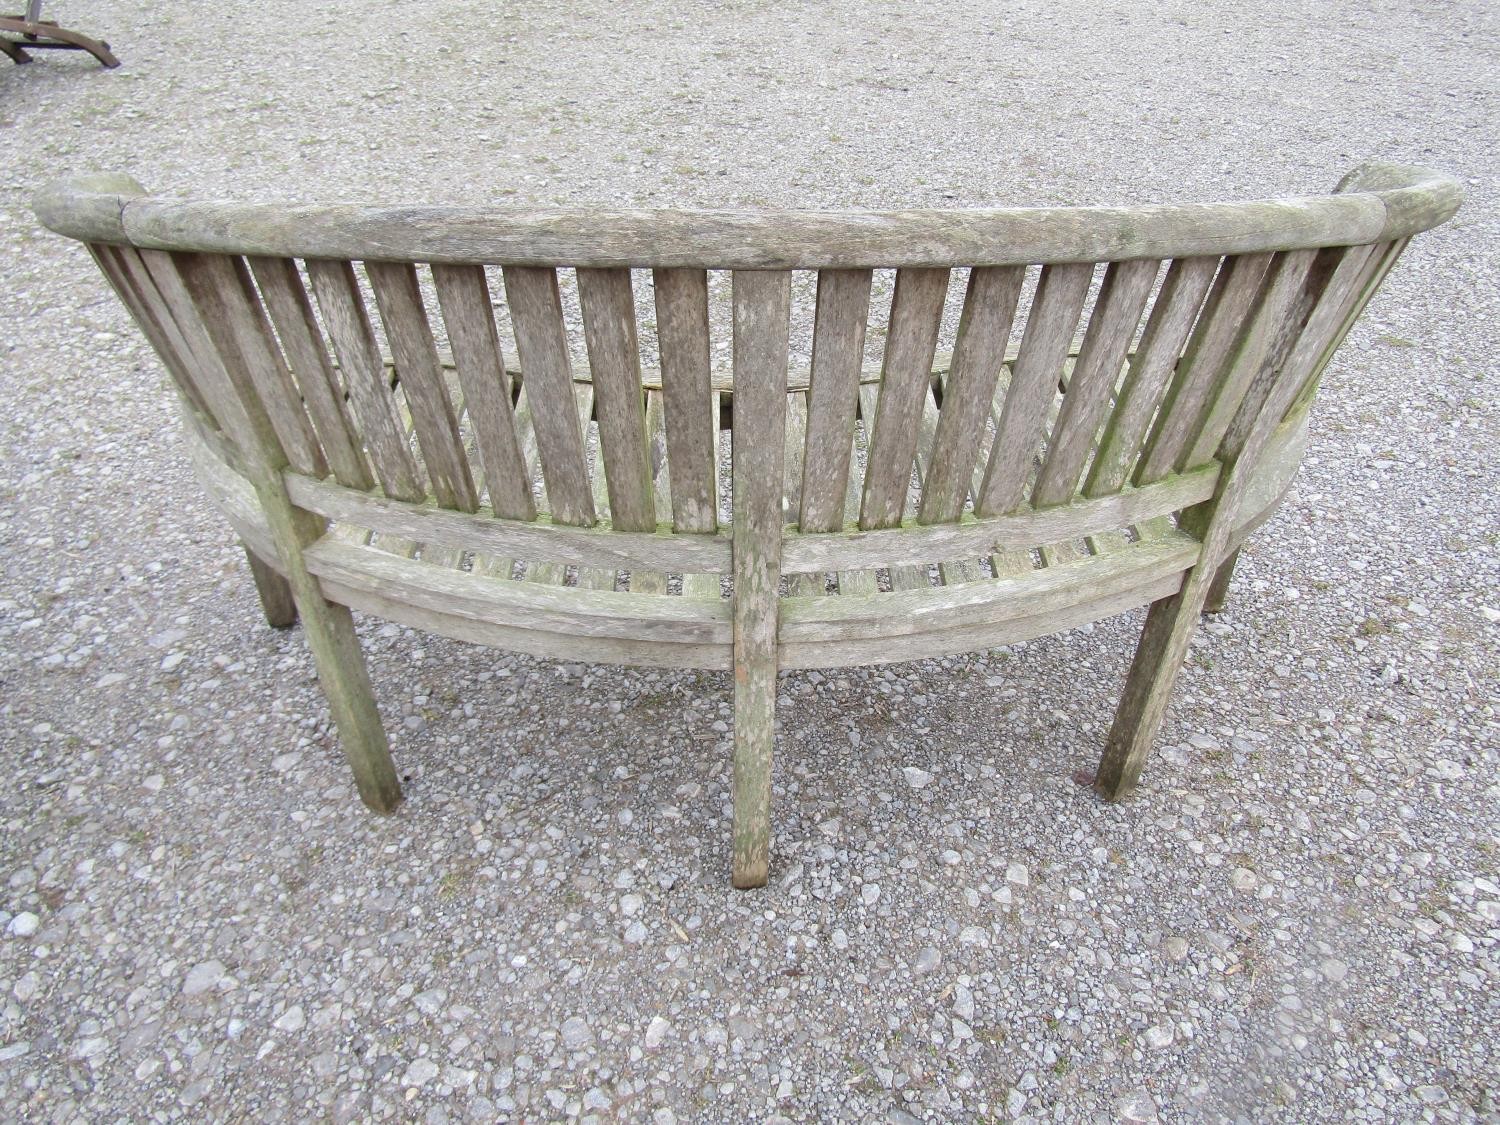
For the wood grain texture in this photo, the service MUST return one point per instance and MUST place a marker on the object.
(688, 397)
(217, 291)
(793, 484)
(1151, 368)
(838, 352)
(464, 297)
(152, 315)
(1033, 386)
(374, 407)
(291, 312)
(1323, 321)
(916, 316)
(399, 298)
(1209, 354)
(95, 210)
(1273, 321)
(608, 307)
(969, 390)
(274, 591)
(221, 291)
(542, 341)
(1208, 423)
(762, 310)
(1121, 300)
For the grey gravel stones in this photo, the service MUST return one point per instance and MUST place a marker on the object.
(1296, 918)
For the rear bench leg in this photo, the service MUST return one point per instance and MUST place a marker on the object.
(275, 591)
(1218, 589)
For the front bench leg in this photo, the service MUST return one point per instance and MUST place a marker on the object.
(754, 739)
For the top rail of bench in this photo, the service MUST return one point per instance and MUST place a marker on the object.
(1376, 202)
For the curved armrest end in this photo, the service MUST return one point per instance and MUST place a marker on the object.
(88, 208)
(1415, 198)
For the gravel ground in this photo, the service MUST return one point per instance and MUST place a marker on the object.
(1297, 917)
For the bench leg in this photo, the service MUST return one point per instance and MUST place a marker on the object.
(1148, 686)
(275, 592)
(754, 738)
(346, 685)
(1218, 589)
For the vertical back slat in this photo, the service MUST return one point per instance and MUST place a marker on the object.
(1033, 385)
(244, 342)
(916, 316)
(149, 311)
(542, 342)
(1152, 365)
(209, 283)
(838, 351)
(420, 372)
(658, 465)
(464, 298)
(682, 339)
(693, 585)
(292, 314)
(794, 484)
(1379, 263)
(1270, 327)
(762, 311)
(338, 297)
(1122, 299)
(969, 391)
(157, 270)
(608, 307)
(1323, 321)
(1209, 352)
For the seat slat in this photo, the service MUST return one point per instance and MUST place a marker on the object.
(542, 343)
(911, 342)
(337, 293)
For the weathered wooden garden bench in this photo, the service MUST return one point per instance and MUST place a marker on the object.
(1150, 417)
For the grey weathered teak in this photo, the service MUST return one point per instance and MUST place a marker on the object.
(1123, 400)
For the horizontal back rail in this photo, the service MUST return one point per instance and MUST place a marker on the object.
(110, 209)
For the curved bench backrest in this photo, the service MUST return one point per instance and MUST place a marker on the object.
(1193, 325)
